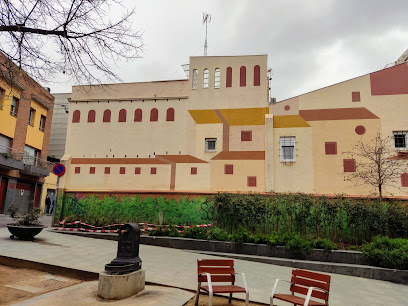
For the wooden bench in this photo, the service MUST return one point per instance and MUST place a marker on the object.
(219, 271)
(310, 284)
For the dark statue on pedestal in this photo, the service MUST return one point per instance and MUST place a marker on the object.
(127, 259)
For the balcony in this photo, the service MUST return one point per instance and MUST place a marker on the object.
(36, 166)
(10, 160)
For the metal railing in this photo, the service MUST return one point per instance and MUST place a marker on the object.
(25, 158)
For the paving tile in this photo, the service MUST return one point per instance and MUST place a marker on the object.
(178, 268)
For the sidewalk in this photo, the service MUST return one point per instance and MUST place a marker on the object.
(178, 268)
(44, 219)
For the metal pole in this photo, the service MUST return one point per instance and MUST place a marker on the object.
(56, 200)
(205, 43)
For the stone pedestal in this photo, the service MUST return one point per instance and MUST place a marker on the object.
(117, 287)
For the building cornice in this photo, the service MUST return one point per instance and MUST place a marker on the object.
(13, 81)
(40, 101)
(129, 99)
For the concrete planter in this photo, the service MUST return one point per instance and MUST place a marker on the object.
(347, 257)
(24, 232)
(10, 163)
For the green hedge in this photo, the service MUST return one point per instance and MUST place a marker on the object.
(291, 241)
(387, 253)
(342, 220)
(110, 209)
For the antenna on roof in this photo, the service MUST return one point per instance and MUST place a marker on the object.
(206, 20)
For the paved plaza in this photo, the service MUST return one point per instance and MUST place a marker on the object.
(178, 268)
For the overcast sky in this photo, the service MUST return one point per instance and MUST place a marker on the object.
(310, 44)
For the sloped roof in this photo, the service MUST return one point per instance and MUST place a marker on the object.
(181, 159)
(240, 155)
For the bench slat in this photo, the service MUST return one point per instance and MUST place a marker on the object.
(297, 300)
(217, 278)
(216, 270)
(312, 275)
(215, 263)
(310, 283)
(224, 289)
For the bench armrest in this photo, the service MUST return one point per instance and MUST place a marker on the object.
(309, 294)
(210, 288)
(274, 288)
(245, 282)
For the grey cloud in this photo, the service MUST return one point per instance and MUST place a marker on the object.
(310, 44)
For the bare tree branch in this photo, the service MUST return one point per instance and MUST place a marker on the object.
(76, 38)
(374, 165)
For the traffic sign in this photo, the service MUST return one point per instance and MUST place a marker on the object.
(58, 169)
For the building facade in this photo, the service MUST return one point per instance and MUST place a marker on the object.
(217, 131)
(59, 125)
(25, 123)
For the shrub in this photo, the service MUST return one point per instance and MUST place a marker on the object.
(195, 233)
(159, 231)
(217, 234)
(25, 219)
(324, 243)
(387, 253)
(273, 239)
(260, 238)
(298, 244)
(170, 231)
(240, 236)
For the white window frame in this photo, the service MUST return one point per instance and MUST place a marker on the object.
(14, 106)
(42, 122)
(207, 149)
(217, 78)
(205, 77)
(406, 140)
(287, 141)
(32, 116)
(195, 79)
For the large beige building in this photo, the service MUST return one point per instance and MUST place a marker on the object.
(217, 131)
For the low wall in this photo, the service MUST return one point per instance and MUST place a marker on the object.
(337, 261)
(348, 257)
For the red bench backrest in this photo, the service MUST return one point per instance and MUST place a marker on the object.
(221, 270)
(303, 279)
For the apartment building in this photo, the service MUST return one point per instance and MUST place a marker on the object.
(25, 122)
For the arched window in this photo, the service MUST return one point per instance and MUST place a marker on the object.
(76, 116)
(91, 115)
(242, 76)
(122, 115)
(228, 82)
(106, 115)
(195, 78)
(205, 78)
(217, 78)
(154, 114)
(170, 114)
(257, 75)
(138, 115)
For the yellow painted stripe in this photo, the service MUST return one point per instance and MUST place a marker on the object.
(289, 121)
(205, 116)
(245, 116)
